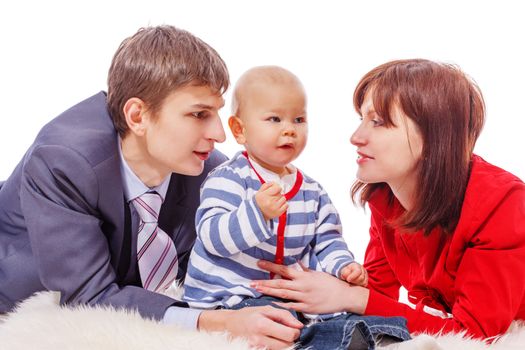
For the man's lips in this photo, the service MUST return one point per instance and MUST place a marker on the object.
(203, 155)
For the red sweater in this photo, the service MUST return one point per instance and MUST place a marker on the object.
(477, 274)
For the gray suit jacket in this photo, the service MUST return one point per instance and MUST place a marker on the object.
(64, 223)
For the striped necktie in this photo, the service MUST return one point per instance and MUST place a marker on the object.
(156, 253)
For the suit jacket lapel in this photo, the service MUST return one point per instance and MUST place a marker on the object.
(172, 215)
(177, 218)
(112, 207)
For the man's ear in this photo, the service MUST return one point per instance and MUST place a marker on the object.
(237, 128)
(136, 116)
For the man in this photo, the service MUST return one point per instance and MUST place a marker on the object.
(101, 208)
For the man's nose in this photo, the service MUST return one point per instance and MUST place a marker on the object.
(216, 131)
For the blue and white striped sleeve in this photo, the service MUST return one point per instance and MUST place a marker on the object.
(227, 221)
(330, 247)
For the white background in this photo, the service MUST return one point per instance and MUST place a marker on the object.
(55, 54)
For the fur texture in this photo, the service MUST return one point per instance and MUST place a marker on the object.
(40, 323)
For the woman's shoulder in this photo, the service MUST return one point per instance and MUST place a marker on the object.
(488, 184)
(488, 174)
(494, 206)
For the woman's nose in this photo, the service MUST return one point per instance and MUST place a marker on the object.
(358, 137)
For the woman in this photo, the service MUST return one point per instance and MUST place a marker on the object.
(446, 225)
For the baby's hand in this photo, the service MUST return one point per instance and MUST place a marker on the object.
(270, 200)
(355, 273)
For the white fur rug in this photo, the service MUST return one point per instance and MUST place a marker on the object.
(40, 323)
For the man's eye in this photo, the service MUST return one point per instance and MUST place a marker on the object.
(200, 114)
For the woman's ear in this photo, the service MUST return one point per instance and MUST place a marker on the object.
(237, 128)
(136, 116)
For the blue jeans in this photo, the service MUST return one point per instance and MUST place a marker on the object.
(348, 331)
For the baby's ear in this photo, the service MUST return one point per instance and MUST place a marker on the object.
(237, 128)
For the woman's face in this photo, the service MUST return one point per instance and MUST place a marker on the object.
(386, 154)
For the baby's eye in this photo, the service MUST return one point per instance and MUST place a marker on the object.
(300, 120)
(274, 119)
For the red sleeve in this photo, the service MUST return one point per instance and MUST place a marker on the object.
(490, 280)
(381, 277)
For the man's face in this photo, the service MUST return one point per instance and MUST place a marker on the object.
(181, 136)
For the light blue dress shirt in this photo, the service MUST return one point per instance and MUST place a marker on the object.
(134, 188)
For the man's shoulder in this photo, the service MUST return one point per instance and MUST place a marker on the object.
(86, 129)
(216, 159)
(237, 167)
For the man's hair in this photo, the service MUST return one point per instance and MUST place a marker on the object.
(155, 62)
(449, 111)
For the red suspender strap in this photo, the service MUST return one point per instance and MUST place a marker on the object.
(249, 162)
(279, 254)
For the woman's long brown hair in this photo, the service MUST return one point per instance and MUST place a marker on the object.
(448, 108)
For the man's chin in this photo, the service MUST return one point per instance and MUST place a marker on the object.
(195, 170)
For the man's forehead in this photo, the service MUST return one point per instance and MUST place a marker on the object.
(201, 96)
(218, 105)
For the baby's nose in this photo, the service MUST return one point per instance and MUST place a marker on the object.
(289, 130)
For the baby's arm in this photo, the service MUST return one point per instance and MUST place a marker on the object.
(329, 245)
(271, 201)
(227, 221)
(354, 273)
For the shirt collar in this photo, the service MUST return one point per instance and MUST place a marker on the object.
(286, 182)
(133, 187)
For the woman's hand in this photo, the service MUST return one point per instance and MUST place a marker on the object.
(311, 291)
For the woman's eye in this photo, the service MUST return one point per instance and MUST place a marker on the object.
(378, 122)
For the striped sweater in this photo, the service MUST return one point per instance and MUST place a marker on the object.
(232, 235)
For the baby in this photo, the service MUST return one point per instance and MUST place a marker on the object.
(258, 206)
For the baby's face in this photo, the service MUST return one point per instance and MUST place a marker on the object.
(275, 125)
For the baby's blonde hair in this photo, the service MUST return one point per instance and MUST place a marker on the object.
(260, 74)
